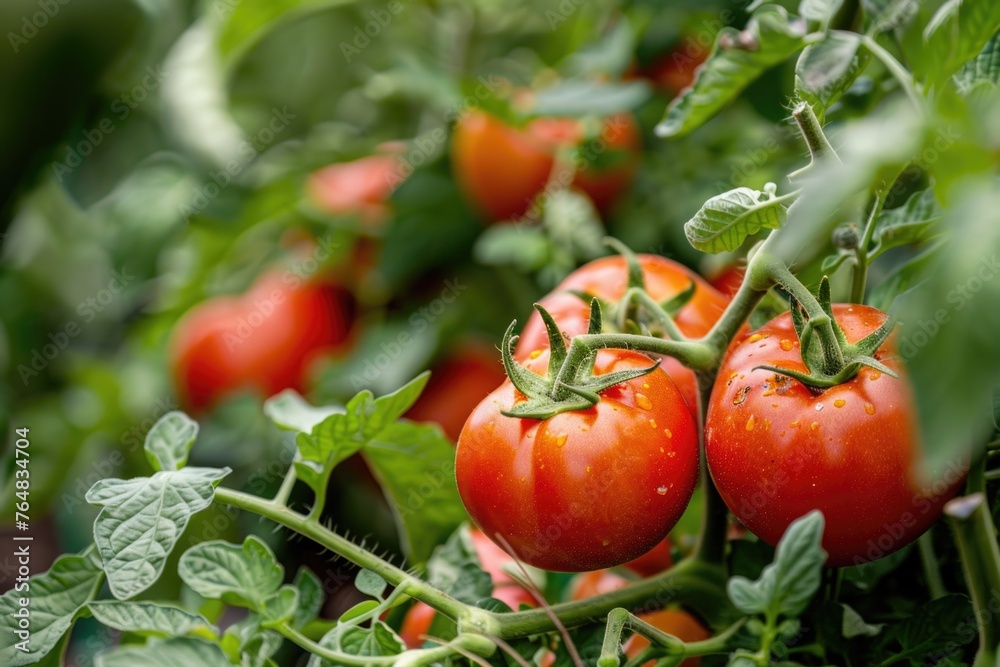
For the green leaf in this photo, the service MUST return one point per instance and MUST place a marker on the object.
(370, 583)
(736, 61)
(259, 646)
(245, 575)
(957, 33)
(289, 411)
(148, 619)
(907, 224)
(827, 69)
(172, 652)
(280, 607)
(359, 609)
(526, 248)
(886, 15)
(786, 586)
(340, 435)
(902, 279)
(141, 520)
(55, 598)
(379, 640)
(983, 68)
(311, 597)
(726, 220)
(820, 11)
(169, 441)
(455, 569)
(246, 22)
(589, 98)
(855, 626)
(415, 466)
(936, 626)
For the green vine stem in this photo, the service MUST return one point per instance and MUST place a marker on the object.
(287, 484)
(929, 563)
(976, 538)
(812, 132)
(900, 73)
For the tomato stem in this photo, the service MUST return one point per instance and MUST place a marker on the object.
(976, 538)
(929, 562)
(711, 544)
(812, 132)
(287, 484)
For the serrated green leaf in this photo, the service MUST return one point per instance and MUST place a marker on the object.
(172, 652)
(932, 628)
(55, 598)
(747, 597)
(886, 15)
(730, 68)
(726, 220)
(589, 98)
(370, 583)
(907, 224)
(245, 575)
(340, 435)
(415, 466)
(169, 441)
(311, 597)
(379, 640)
(141, 520)
(984, 68)
(280, 607)
(259, 646)
(957, 33)
(289, 411)
(827, 69)
(820, 11)
(455, 569)
(148, 619)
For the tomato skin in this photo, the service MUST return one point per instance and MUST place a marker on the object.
(778, 451)
(457, 385)
(654, 561)
(728, 280)
(502, 168)
(360, 186)
(607, 278)
(676, 70)
(263, 340)
(587, 489)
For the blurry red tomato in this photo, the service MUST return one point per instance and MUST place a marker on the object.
(263, 340)
(654, 561)
(729, 279)
(457, 385)
(502, 168)
(361, 186)
(675, 70)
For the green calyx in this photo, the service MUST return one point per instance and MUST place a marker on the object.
(829, 359)
(569, 383)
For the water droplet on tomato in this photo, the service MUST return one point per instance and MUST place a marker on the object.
(750, 423)
(561, 440)
(819, 406)
(839, 403)
(874, 375)
(786, 344)
(535, 354)
(814, 425)
(662, 490)
(652, 422)
(869, 408)
(643, 401)
(667, 433)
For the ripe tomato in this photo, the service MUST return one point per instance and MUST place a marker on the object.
(585, 489)
(607, 278)
(361, 186)
(729, 279)
(777, 449)
(675, 622)
(654, 561)
(678, 623)
(456, 387)
(264, 340)
(502, 168)
(493, 560)
(674, 71)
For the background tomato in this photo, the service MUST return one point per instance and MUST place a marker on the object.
(458, 383)
(586, 489)
(607, 278)
(654, 561)
(778, 449)
(502, 168)
(361, 186)
(264, 340)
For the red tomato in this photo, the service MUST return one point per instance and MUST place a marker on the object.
(587, 489)
(653, 561)
(676, 70)
(502, 168)
(777, 449)
(607, 278)
(416, 623)
(264, 340)
(675, 622)
(456, 387)
(361, 186)
(728, 280)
